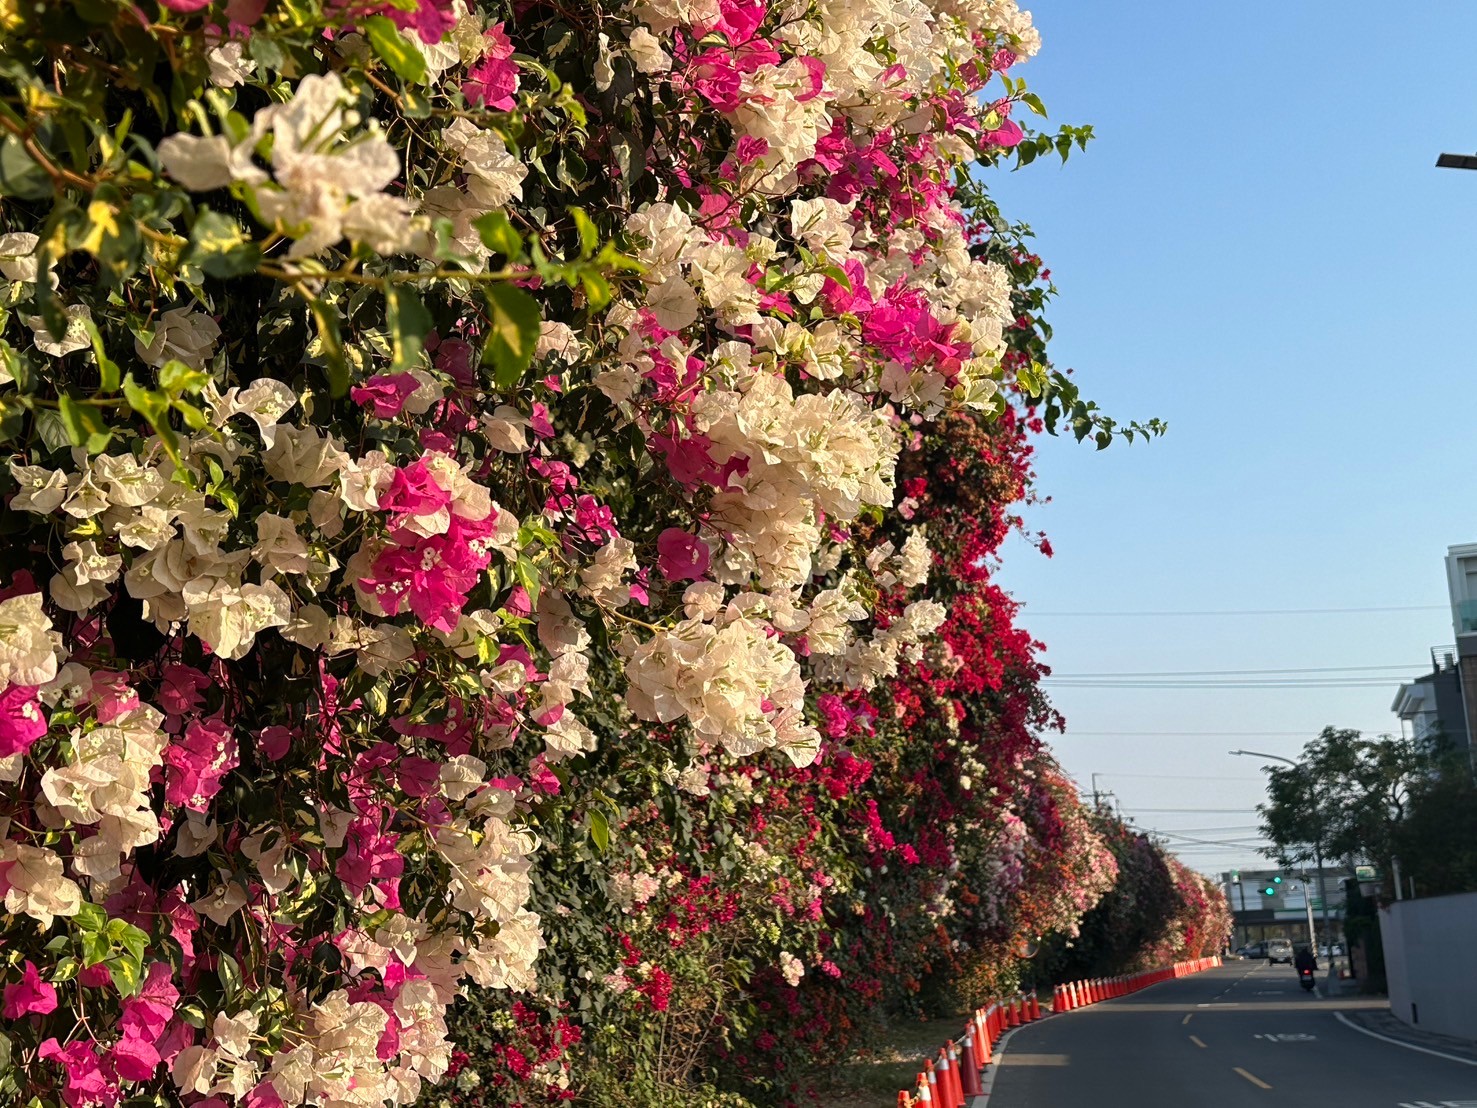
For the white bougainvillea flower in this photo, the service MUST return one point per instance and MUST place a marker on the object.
(182, 334)
(39, 887)
(228, 618)
(18, 261)
(29, 648)
(210, 162)
(126, 483)
(73, 339)
(265, 400)
(41, 490)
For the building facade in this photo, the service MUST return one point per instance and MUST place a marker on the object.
(1273, 904)
(1441, 707)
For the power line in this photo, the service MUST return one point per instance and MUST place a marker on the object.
(1335, 683)
(1184, 777)
(1248, 611)
(1243, 844)
(1070, 732)
(1192, 811)
(1405, 667)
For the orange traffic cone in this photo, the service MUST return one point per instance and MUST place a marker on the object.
(969, 1066)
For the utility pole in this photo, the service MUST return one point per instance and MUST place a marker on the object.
(1094, 792)
(1312, 934)
(1318, 834)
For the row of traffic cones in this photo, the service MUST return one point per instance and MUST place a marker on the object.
(1079, 994)
(953, 1075)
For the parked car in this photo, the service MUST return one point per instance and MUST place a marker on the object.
(1336, 951)
(1279, 950)
(1253, 950)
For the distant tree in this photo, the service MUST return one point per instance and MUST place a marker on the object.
(1348, 796)
(1437, 841)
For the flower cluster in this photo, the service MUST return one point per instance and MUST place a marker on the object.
(443, 448)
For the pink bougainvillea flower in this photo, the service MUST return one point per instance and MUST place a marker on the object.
(112, 695)
(274, 743)
(817, 72)
(1008, 134)
(493, 81)
(185, 6)
(541, 779)
(750, 149)
(593, 521)
(134, 1058)
(87, 1083)
(429, 19)
(714, 76)
(196, 763)
(369, 857)
(265, 1095)
(540, 422)
(30, 995)
(148, 1014)
(681, 556)
(738, 20)
(385, 394)
(414, 491)
(21, 720)
(179, 692)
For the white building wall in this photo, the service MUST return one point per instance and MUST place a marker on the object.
(1431, 962)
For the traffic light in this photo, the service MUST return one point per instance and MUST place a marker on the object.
(1273, 888)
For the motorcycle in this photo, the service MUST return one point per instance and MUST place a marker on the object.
(1305, 979)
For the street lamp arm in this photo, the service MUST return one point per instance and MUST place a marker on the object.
(1273, 757)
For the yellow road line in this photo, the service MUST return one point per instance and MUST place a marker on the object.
(1195, 1039)
(1257, 1081)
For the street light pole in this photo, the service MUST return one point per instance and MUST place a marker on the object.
(1317, 843)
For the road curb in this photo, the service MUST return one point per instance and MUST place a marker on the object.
(1353, 1025)
(988, 1081)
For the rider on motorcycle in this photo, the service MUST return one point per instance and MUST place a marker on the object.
(1304, 960)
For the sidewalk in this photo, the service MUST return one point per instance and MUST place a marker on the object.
(1382, 1022)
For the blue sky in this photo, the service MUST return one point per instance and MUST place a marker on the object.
(1258, 249)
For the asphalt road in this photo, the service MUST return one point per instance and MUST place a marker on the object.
(1241, 1036)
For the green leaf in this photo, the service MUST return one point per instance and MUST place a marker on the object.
(20, 176)
(498, 235)
(378, 697)
(84, 424)
(589, 236)
(415, 104)
(525, 572)
(219, 246)
(95, 947)
(394, 49)
(597, 289)
(229, 973)
(66, 969)
(153, 405)
(512, 333)
(176, 378)
(409, 323)
(1032, 101)
(599, 831)
(125, 974)
(332, 342)
(90, 917)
